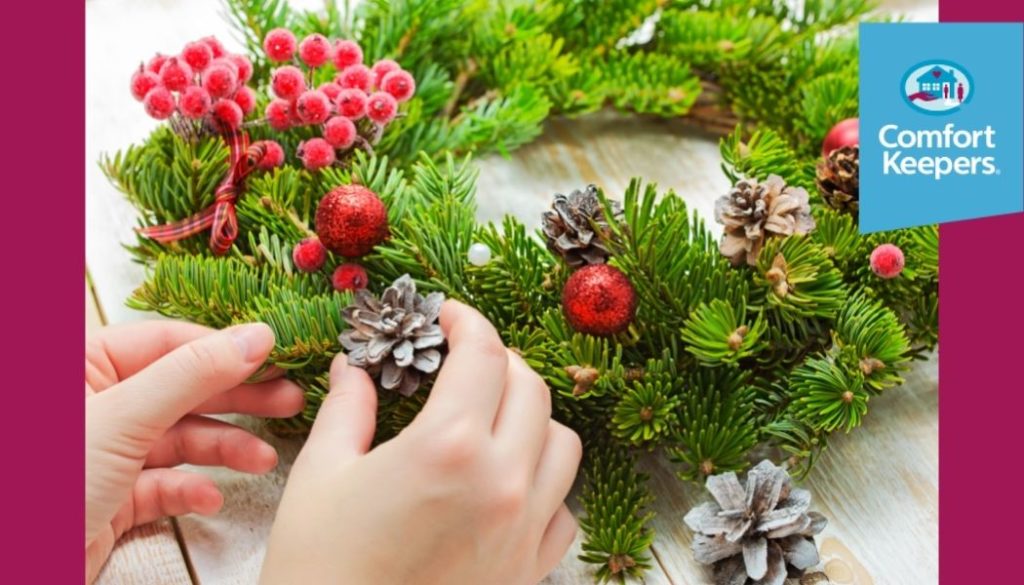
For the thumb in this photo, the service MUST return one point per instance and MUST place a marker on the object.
(347, 419)
(154, 399)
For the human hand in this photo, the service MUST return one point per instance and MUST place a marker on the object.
(146, 387)
(472, 491)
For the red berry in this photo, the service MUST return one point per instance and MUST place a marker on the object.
(316, 153)
(228, 114)
(351, 220)
(279, 45)
(243, 65)
(381, 108)
(272, 157)
(156, 63)
(176, 74)
(245, 97)
(382, 68)
(309, 255)
(279, 114)
(195, 102)
(330, 89)
(159, 103)
(346, 54)
(340, 132)
(287, 82)
(351, 103)
(349, 277)
(599, 300)
(315, 50)
(142, 82)
(215, 46)
(845, 133)
(887, 261)
(399, 84)
(356, 76)
(313, 107)
(220, 79)
(197, 54)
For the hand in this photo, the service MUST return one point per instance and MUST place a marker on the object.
(146, 385)
(471, 492)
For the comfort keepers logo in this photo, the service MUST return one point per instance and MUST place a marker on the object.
(941, 135)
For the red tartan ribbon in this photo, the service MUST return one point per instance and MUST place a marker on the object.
(219, 217)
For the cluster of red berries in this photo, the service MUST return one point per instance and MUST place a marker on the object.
(202, 83)
(358, 92)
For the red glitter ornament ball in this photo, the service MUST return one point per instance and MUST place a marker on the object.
(349, 277)
(351, 220)
(309, 255)
(599, 300)
(887, 261)
(845, 133)
(280, 45)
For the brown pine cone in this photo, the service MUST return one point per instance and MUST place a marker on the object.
(753, 211)
(577, 227)
(838, 179)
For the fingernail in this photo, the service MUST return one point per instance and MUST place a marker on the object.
(337, 368)
(252, 340)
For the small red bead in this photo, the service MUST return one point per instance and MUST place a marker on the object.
(287, 82)
(175, 74)
(357, 77)
(278, 114)
(215, 46)
(159, 103)
(228, 114)
(382, 68)
(313, 107)
(220, 79)
(351, 220)
(245, 97)
(399, 84)
(346, 54)
(280, 45)
(273, 157)
(316, 154)
(349, 277)
(351, 103)
(599, 300)
(315, 50)
(887, 261)
(197, 54)
(195, 102)
(340, 132)
(309, 255)
(381, 108)
(142, 82)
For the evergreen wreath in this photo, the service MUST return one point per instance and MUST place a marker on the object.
(718, 359)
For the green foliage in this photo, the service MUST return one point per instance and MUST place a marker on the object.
(828, 396)
(795, 278)
(719, 334)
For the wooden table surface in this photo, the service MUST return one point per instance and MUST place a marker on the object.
(878, 485)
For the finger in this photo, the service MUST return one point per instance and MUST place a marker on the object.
(557, 467)
(173, 492)
(278, 398)
(521, 427)
(123, 350)
(345, 424)
(147, 404)
(558, 537)
(472, 379)
(199, 440)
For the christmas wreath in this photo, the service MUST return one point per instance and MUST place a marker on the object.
(321, 184)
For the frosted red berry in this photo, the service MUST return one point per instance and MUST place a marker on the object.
(220, 80)
(245, 97)
(340, 132)
(887, 261)
(227, 114)
(272, 157)
(278, 114)
(315, 50)
(309, 255)
(215, 46)
(357, 77)
(280, 45)
(195, 102)
(159, 103)
(351, 220)
(197, 54)
(381, 107)
(313, 107)
(316, 153)
(154, 64)
(599, 300)
(243, 65)
(175, 74)
(349, 277)
(142, 82)
(351, 103)
(287, 82)
(399, 84)
(331, 90)
(382, 68)
(346, 54)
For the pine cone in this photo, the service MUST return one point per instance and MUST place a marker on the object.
(577, 227)
(753, 211)
(839, 179)
(751, 535)
(396, 337)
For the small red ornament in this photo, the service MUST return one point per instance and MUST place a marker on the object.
(315, 50)
(599, 300)
(347, 53)
(351, 103)
(340, 132)
(280, 45)
(381, 108)
(243, 65)
(175, 74)
(399, 84)
(309, 255)
(356, 76)
(313, 107)
(273, 157)
(159, 103)
(197, 54)
(195, 102)
(215, 46)
(316, 153)
(154, 64)
(142, 82)
(245, 97)
(220, 80)
(330, 89)
(887, 261)
(279, 114)
(228, 114)
(351, 220)
(382, 68)
(349, 277)
(288, 82)
(845, 133)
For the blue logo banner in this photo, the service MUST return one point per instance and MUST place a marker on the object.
(941, 122)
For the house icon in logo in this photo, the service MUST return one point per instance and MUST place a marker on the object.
(937, 87)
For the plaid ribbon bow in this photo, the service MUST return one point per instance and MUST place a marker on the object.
(220, 216)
